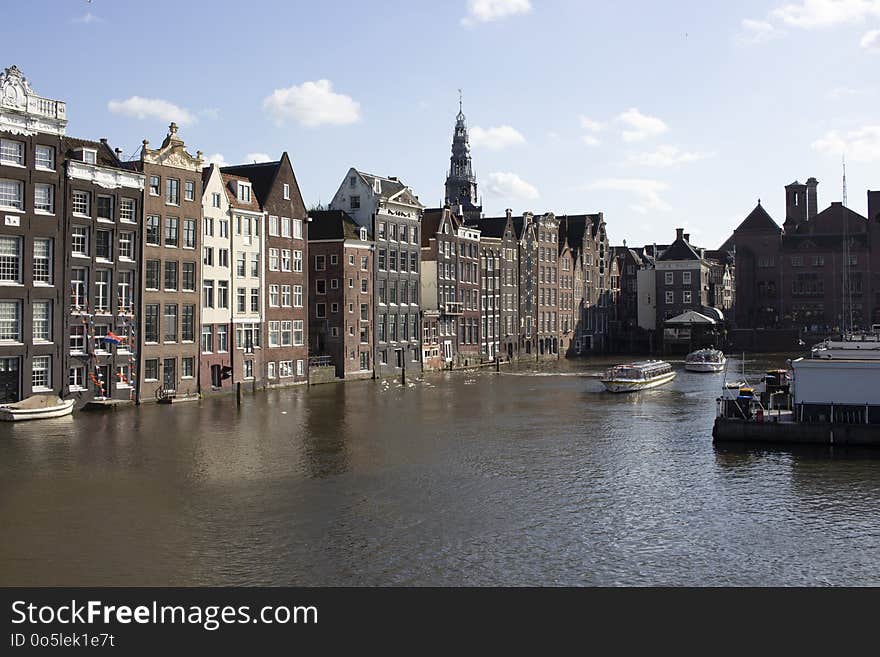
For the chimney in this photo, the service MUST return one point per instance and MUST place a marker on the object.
(679, 233)
(812, 198)
(118, 152)
(687, 237)
(874, 207)
(104, 140)
(509, 213)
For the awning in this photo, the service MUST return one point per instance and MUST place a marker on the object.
(690, 318)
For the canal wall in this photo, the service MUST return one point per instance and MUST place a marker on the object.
(796, 433)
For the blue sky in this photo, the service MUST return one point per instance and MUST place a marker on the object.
(658, 114)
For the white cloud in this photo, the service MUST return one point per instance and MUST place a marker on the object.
(218, 159)
(496, 138)
(251, 158)
(841, 93)
(88, 19)
(485, 11)
(143, 108)
(862, 145)
(758, 31)
(665, 156)
(641, 125)
(871, 41)
(510, 186)
(590, 140)
(810, 14)
(591, 125)
(647, 192)
(212, 113)
(312, 104)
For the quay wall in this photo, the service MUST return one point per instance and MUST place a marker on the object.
(796, 433)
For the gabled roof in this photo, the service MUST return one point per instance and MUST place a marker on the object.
(758, 221)
(105, 158)
(491, 226)
(332, 225)
(833, 219)
(689, 318)
(230, 184)
(680, 250)
(433, 218)
(261, 175)
(389, 188)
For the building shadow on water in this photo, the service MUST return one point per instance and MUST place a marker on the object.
(327, 429)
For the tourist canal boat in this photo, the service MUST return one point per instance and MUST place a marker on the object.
(638, 376)
(36, 407)
(705, 360)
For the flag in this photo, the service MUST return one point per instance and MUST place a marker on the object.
(112, 338)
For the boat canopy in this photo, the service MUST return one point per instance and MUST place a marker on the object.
(690, 318)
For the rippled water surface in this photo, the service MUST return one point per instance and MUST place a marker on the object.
(531, 477)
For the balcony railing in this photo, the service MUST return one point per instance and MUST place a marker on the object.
(321, 361)
(452, 308)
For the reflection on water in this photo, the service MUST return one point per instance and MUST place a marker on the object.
(533, 476)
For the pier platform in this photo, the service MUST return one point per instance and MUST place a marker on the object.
(105, 405)
(787, 432)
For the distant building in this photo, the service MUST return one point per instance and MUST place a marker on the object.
(341, 309)
(461, 181)
(392, 213)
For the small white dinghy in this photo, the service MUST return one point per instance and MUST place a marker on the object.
(36, 407)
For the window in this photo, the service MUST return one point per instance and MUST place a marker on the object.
(334, 283)
(285, 296)
(151, 369)
(151, 322)
(126, 245)
(670, 298)
(240, 263)
(189, 277)
(89, 156)
(364, 263)
(297, 296)
(382, 259)
(273, 225)
(363, 285)
(44, 198)
(285, 368)
(171, 275)
(102, 290)
(44, 157)
(222, 338)
(274, 296)
(334, 332)
(321, 286)
(364, 312)
(189, 233)
(686, 296)
(78, 287)
(255, 265)
(351, 260)
(670, 278)
(82, 203)
(244, 192)
(285, 227)
(172, 191)
(334, 259)
(125, 290)
(188, 323)
(274, 334)
(255, 300)
(686, 277)
(320, 264)
(298, 333)
(320, 310)
(223, 257)
(286, 192)
(189, 190)
(208, 256)
(208, 294)
(123, 378)
(42, 321)
(215, 199)
(171, 228)
(154, 185)
(104, 244)
(105, 208)
(153, 232)
(170, 323)
(223, 294)
(355, 202)
(127, 210)
(224, 228)
(300, 368)
(42, 373)
(10, 260)
(151, 275)
(42, 261)
(273, 259)
(381, 230)
(249, 369)
(76, 378)
(270, 369)
(241, 300)
(11, 152)
(297, 229)
(297, 261)
(10, 321)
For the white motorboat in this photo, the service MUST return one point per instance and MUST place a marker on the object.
(638, 376)
(856, 346)
(36, 407)
(705, 360)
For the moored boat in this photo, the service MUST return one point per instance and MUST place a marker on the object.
(638, 376)
(36, 407)
(705, 360)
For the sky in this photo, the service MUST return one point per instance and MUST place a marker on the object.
(660, 115)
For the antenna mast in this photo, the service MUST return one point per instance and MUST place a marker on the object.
(846, 301)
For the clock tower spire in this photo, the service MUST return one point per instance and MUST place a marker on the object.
(461, 183)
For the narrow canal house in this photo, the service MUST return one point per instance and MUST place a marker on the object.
(341, 308)
(527, 283)
(171, 253)
(104, 198)
(216, 334)
(388, 208)
(247, 244)
(286, 284)
(33, 341)
(547, 245)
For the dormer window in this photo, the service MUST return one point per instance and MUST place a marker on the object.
(244, 192)
(352, 182)
(286, 192)
(90, 156)
(363, 234)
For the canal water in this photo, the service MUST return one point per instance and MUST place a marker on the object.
(531, 477)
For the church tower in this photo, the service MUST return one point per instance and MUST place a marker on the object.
(461, 183)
